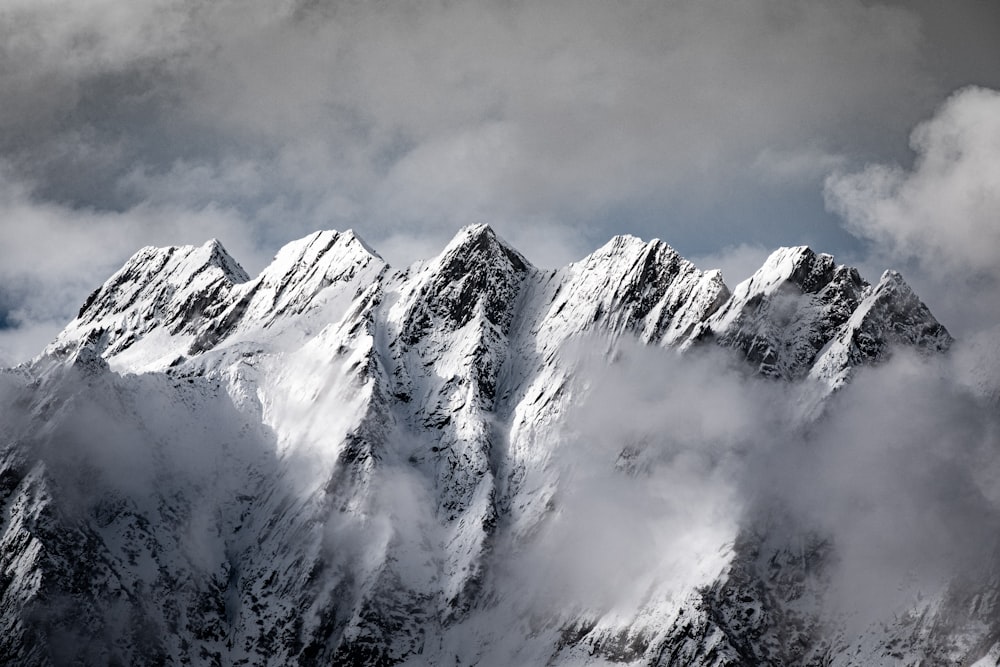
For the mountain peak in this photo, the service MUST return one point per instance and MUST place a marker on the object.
(159, 270)
(474, 252)
(476, 229)
(334, 250)
(168, 288)
(479, 241)
(474, 235)
(905, 318)
(789, 310)
(890, 314)
(350, 236)
(627, 244)
(798, 265)
(477, 269)
(304, 275)
(781, 317)
(220, 257)
(632, 285)
(891, 278)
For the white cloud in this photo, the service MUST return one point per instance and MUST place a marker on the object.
(898, 478)
(944, 213)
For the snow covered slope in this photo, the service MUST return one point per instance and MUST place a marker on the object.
(336, 462)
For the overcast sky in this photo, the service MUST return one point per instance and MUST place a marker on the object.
(726, 129)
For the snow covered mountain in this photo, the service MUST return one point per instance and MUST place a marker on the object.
(338, 462)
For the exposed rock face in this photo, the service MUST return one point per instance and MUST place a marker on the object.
(198, 470)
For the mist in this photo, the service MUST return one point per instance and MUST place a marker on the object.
(667, 461)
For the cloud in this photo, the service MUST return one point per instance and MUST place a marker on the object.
(645, 498)
(561, 110)
(806, 165)
(564, 109)
(944, 213)
(665, 459)
(946, 210)
(899, 475)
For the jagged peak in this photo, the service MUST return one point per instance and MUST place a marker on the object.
(626, 244)
(798, 265)
(630, 255)
(892, 278)
(894, 294)
(891, 285)
(714, 275)
(153, 267)
(627, 284)
(301, 271)
(475, 229)
(476, 271)
(619, 242)
(630, 284)
(147, 256)
(890, 314)
(219, 256)
(480, 241)
(320, 240)
(210, 252)
(323, 253)
(350, 236)
(784, 263)
(182, 259)
(471, 235)
(636, 264)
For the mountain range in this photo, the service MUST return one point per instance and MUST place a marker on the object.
(467, 461)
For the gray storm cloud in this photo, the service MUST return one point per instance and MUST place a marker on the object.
(424, 114)
(557, 109)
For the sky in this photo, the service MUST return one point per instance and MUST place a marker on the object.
(870, 130)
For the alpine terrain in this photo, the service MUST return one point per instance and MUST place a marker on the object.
(468, 461)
